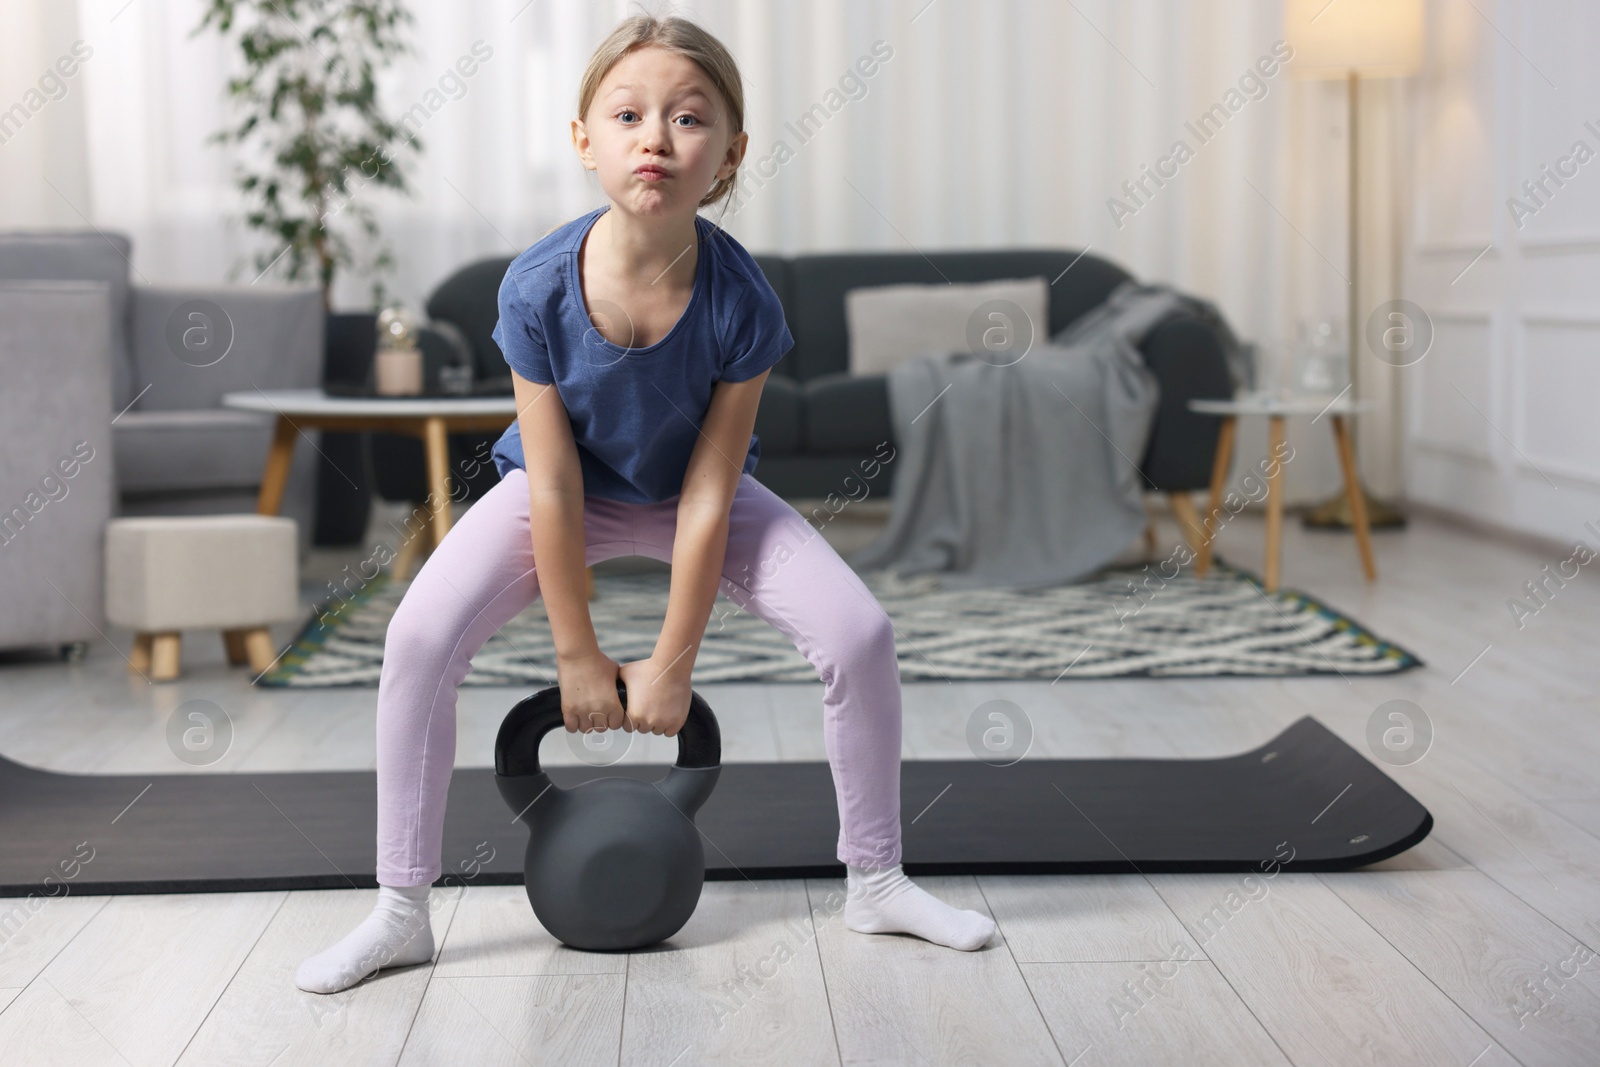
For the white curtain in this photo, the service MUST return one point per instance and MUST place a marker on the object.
(994, 123)
(44, 173)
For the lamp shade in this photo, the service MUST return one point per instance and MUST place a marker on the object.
(1372, 38)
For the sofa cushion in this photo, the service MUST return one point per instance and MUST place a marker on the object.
(215, 448)
(846, 414)
(267, 337)
(818, 283)
(778, 419)
(890, 324)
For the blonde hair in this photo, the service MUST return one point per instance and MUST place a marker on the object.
(681, 37)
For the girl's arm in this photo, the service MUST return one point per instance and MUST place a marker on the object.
(698, 551)
(586, 675)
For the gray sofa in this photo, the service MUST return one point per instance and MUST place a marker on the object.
(818, 422)
(177, 450)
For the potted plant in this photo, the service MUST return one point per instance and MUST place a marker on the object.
(316, 144)
(315, 147)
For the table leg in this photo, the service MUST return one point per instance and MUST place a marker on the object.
(1219, 475)
(1194, 534)
(404, 559)
(437, 444)
(1274, 502)
(1353, 494)
(276, 474)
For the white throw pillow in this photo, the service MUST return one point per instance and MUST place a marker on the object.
(891, 323)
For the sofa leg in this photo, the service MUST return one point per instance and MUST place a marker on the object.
(165, 656)
(258, 647)
(139, 654)
(233, 641)
(1194, 532)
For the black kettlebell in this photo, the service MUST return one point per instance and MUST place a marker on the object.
(615, 863)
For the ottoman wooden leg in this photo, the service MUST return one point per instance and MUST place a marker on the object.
(139, 655)
(233, 641)
(258, 646)
(165, 654)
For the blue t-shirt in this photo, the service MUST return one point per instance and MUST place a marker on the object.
(636, 412)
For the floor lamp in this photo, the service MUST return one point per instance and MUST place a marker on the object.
(1351, 40)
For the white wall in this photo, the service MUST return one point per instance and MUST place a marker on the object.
(1501, 419)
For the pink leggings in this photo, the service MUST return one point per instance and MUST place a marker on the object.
(777, 567)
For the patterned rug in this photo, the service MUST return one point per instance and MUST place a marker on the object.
(1185, 627)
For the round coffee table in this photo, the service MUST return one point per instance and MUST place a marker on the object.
(1277, 409)
(431, 418)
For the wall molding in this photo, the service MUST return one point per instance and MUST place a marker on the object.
(1456, 248)
(1558, 315)
(1462, 452)
(1489, 321)
(1579, 242)
(1523, 456)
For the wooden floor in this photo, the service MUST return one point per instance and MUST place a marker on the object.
(1476, 948)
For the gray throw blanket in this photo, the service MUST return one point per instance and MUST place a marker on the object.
(1027, 474)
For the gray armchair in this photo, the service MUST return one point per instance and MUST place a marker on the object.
(57, 471)
(174, 352)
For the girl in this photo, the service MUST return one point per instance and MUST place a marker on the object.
(639, 335)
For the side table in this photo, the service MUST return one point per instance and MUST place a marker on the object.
(1277, 410)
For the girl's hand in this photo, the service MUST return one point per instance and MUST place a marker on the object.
(658, 699)
(589, 699)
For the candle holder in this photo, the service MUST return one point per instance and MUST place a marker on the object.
(398, 363)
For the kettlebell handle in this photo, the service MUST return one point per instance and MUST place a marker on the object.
(516, 747)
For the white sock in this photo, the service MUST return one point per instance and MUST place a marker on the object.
(882, 900)
(397, 933)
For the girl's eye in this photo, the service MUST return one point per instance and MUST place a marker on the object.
(623, 116)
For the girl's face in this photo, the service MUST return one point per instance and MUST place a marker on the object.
(658, 134)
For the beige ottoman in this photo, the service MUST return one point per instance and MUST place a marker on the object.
(234, 573)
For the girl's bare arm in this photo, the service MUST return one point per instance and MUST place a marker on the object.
(699, 549)
(658, 688)
(586, 675)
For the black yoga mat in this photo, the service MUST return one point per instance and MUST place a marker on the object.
(1303, 801)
